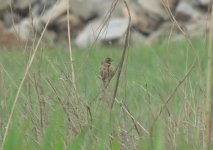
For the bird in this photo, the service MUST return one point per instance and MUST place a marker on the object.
(106, 71)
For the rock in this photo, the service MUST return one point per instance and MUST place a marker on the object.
(37, 9)
(48, 3)
(134, 16)
(147, 23)
(186, 12)
(4, 7)
(205, 2)
(96, 32)
(136, 37)
(144, 21)
(40, 6)
(157, 6)
(60, 27)
(74, 21)
(9, 39)
(192, 29)
(54, 12)
(2, 27)
(4, 4)
(167, 29)
(49, 37)
(10, 18)
(154, 37)
(23, 4)
(76, 24)
(150, 19)
(87, 9)
(170, 4)
(114, 29)
(199, 28)
(26, 28)
(153, 6)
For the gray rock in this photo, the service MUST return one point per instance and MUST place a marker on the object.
(154, 37)
(96, 31)
(4, 4)
(49, 37)
(9, 19)
(74, 21)
(199, 28)
(186, 12)
(157, 7)
(23, 4)
(85, 9)
(147, 22)
(25, 29)
(2, 27)
(47, 3)
(54, 12)
(143, 20)
(136, 37)
(89, 8)
(4, 7)
(205, 2)
(41, 6)
(191, 29)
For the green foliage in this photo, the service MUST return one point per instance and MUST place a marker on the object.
(149, 76)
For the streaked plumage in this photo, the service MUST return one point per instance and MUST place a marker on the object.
(106, 71)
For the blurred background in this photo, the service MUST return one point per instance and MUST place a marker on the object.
(52, 97)
(22, 21)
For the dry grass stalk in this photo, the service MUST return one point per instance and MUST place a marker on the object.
(135, 121)
(170, 96)
(207, 106)
(101, 27)
(70, 49)
(22, 83)
(41, 101)
(172, 17)
(71, 124)
(126, 44)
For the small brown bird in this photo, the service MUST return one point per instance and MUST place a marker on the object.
(106, 71)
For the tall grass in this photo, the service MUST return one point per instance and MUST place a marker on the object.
(150, 76)
(51, 97)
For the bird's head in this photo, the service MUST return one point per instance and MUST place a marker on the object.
(108, 60)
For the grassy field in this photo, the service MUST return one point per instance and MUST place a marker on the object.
(159, 105)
